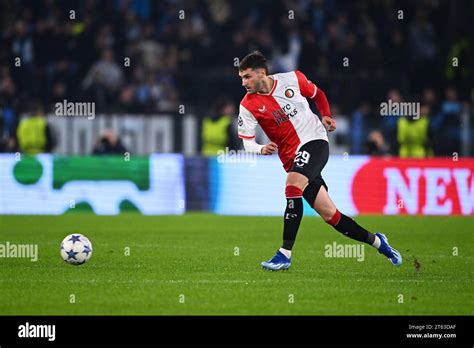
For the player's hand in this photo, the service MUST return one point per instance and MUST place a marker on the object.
(329, 123)
(269, 148)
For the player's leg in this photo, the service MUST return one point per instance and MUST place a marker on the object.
(316, 192)
(325, 207)
(308, 163)
(295, 184)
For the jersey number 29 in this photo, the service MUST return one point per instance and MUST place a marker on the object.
(302, 158)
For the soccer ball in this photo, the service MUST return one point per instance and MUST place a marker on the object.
(76, 249)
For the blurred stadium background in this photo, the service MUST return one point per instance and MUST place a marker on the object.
(161, 77)
(157, 135)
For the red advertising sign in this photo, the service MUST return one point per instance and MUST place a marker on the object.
(414, 186)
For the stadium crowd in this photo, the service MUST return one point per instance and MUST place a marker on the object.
(147, 56)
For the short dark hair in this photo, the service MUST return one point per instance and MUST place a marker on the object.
(254, 60)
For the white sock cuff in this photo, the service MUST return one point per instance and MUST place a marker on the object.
(285, 252)
(376, 243)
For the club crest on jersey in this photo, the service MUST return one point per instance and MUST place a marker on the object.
(289, 93)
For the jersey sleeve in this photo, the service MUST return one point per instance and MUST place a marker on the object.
(247, 123)
(310, 91)
(307, 88)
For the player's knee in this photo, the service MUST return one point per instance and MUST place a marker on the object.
(296, 180)
(331, 216)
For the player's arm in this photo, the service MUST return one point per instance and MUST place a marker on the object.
(317, 95)
(251, 145)
(247, 125)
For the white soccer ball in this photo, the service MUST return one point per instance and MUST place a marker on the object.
(76, 249)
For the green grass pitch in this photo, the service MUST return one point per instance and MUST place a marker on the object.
(189, 265)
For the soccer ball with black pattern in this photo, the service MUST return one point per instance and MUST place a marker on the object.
(76, 249)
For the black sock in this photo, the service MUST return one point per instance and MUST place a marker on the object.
(292, 220)
(353, 230)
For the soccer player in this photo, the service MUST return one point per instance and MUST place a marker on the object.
(279, 104)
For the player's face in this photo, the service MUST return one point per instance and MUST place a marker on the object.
(252, 80)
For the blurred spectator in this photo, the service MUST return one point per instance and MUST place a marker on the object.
(217, 131)
(423, 47)
(9, 105)
(375, 145)
(108, 144)
(22, 42)
(8, 140)
(389, 122)
(104, 79)
(359, 123)
(149, 52)
(429, 98)
(461, 50)
(436, 118)
(413, 135)
(451, 122)
(61, 76)
(126, 101)
(34, 134)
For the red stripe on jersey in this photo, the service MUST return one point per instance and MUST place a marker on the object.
(264, 108)
(307, 88)
(274, 86)
(275, 82)
(246, 137)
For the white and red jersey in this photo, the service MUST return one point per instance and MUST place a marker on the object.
(284, 115)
